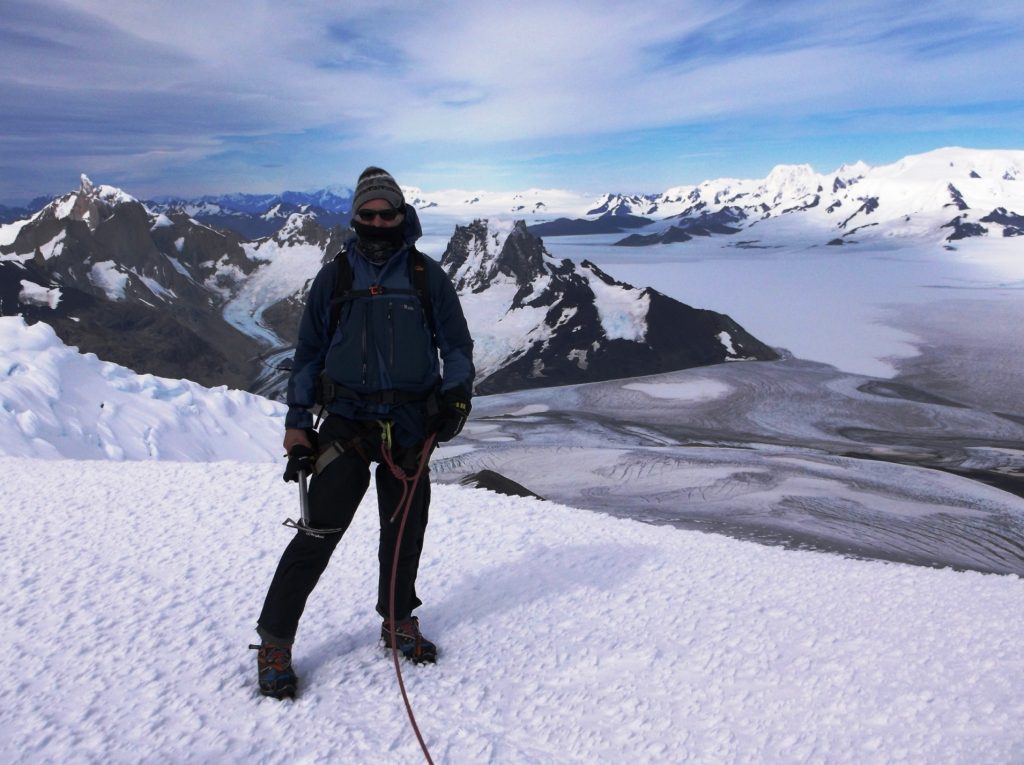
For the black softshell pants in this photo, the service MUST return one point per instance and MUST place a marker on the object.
(334, 496)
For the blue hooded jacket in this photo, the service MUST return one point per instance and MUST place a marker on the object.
(381, 342)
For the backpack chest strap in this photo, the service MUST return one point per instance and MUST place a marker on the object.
(375, 291)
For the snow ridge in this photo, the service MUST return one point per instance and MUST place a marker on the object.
(57, 403)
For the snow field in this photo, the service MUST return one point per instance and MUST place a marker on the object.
(566, 636)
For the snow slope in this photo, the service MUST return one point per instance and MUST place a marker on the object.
(56, 402)
(565, 637)
(132, 583)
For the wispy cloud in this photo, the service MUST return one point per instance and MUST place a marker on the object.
(155, 91)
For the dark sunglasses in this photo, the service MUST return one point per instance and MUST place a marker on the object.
(369, 215)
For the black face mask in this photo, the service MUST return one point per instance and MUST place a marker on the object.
(378, 243)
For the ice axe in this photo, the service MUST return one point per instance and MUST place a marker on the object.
(303, 524)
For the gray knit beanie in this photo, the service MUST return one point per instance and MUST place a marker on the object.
(376, 183)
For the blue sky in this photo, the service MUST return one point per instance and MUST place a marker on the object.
(191, 97)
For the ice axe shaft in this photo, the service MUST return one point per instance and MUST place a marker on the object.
(303, 499)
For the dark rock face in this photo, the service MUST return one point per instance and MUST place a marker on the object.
(608, 223)
(957, 198)
(963, 229)
(1012, 223)
(810, 204)
(580, 324)
(674, 234)
(704, 224)
(148, 339)
(868, 206)
(466, 257)
(496, 482)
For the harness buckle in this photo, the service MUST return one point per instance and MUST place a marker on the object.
(376, 289)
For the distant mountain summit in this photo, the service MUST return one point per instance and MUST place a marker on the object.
(253, 216)
(538, 321)
(624, 205)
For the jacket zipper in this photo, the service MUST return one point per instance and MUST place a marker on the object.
(391, 334)
(366, 323)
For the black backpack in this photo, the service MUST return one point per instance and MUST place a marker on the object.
(343, 291)
(327, 389)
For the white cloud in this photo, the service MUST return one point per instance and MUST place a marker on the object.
(141, 81)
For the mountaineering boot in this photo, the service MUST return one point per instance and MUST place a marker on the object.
(274, 663)
(411, 642)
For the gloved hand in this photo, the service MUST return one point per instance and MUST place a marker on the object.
(301, 446)
(299, 458)
(448, 422)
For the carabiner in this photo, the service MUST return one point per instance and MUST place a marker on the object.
(385, 433)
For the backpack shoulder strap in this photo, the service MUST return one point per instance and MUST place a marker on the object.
(342, 288)
(421, 285)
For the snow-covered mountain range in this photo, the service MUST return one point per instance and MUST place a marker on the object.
(942, 196)
(258, 215)
(160, 288)
(165, 293)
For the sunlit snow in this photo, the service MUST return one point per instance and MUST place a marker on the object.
(36, 294)
(110, 278)
(565, 635)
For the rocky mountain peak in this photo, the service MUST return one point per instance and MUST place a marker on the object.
(522, 255)
(791, 182)
(538, 321)
(149, 290)
(622, 204)
(90, 204)
(486, 252)
(298, 228)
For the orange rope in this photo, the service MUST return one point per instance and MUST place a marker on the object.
(408, 492)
